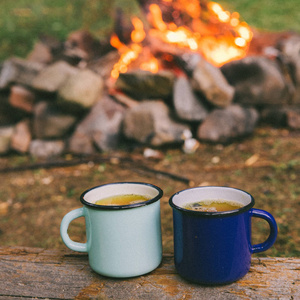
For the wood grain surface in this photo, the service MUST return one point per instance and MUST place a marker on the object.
(63, 274)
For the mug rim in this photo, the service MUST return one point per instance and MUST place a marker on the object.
(213, 214)
(121, 207)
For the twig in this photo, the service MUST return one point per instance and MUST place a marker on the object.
(239, 166)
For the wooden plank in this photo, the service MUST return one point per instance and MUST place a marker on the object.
(62, 274)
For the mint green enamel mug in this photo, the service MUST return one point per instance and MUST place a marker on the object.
(122, 241)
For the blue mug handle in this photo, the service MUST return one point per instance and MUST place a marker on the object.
(258, 213)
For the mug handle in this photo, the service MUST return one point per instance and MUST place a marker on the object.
(67, 219)
(258, 213)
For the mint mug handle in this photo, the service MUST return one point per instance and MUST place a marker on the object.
(67, 219)
(258, 213)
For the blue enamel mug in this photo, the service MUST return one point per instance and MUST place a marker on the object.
(214, 248)
(122, 240)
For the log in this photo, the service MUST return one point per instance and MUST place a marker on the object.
(61, 274)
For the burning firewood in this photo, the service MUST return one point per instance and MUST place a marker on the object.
(203, 27)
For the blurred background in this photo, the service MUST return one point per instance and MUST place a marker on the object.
(23, 22)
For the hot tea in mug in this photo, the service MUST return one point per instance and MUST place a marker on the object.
(213, 205)
(124, 199)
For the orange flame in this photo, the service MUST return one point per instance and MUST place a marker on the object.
(130, 53)
(138, 34)
(218, 46)
(150, 65)
(216, 49)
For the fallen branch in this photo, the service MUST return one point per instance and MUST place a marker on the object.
(45, 165)
(137, 164)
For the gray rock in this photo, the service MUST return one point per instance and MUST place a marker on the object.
(210, 82)
(8, 114)
(146, 85)
(287, 116)
(186, 104)
(40, 53)
(22, 98)
(100, 128)
(50, 122)
(150, 123)
(81, 143)
(46, 49)
(274, 116)
(258, 81)
(188, 61)
(46, 149)
(83, 89)
(290, 49)
(224, 125)
(293, 119)
(17, 70)
(6, 133)
(21, 138)
(104, 65)
(51, 78)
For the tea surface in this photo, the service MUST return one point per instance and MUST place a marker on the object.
(125, 199)
(213, 205)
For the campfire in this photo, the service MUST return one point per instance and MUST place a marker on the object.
(201, 27)
(179, 73)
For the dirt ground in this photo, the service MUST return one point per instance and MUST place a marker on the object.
(267, 165)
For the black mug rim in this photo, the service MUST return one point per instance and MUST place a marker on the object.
(121, 207)
(212, 214)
